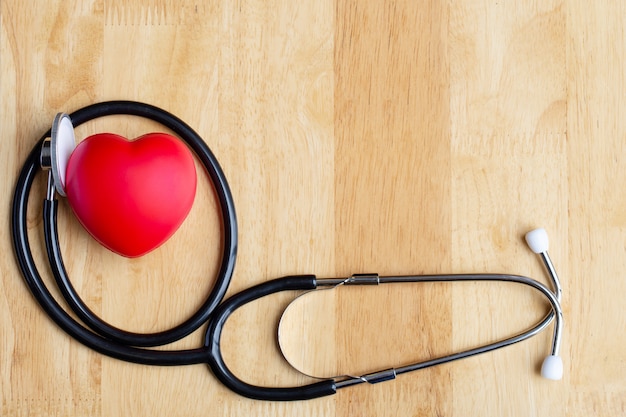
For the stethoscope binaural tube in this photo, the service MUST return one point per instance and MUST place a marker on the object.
(107, 339)
(551, 369)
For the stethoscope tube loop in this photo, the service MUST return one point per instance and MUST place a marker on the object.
(108, 339)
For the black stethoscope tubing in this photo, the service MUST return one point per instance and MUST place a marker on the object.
(108, 339)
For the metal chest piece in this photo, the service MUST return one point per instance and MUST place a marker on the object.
(56, 150)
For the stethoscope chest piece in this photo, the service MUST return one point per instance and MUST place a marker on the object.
(56, 150)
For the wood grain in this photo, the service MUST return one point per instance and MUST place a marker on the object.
(391, 137)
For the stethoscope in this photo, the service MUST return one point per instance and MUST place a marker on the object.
(51, 152)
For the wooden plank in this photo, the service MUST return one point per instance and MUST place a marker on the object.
(597, 233)
(392, 158)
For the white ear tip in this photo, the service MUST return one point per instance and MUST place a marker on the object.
(537, 240)
(552, 368)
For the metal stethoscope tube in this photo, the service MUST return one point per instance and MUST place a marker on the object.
(554, 314)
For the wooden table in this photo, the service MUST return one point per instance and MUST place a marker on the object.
(398, 138)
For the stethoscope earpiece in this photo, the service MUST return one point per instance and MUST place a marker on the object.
(552, 368)
(537, 240)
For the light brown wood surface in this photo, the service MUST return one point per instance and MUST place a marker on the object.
(357, 136)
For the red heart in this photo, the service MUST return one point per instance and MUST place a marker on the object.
(131, 196)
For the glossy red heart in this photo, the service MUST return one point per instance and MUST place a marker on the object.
(131, 196)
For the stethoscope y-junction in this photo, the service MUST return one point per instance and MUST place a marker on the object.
(53, 150)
